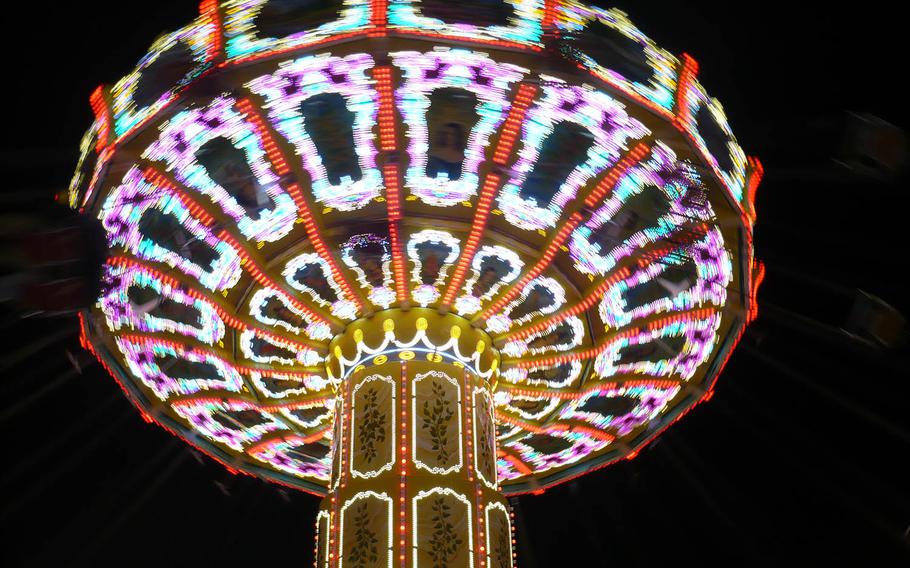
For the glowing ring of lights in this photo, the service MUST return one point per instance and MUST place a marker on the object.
(249, 248)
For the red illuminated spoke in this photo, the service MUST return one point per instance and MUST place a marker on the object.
(632, 329)
(229, 318)
(542, 264)
(392, 177)
(589, 301)
(256, 272)
(511, 131)
(253, 267)
(639, 260)
(295, 371)
(606, 185)
(379, 17)
(757, 277)
(398, 265)
(159, 179)
(282, 167)
(594, 198)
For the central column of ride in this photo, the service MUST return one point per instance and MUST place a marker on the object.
(414, 459)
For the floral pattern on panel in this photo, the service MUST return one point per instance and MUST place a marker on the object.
(365, 551)
(436, 420)
(444, 543)
(373, 429)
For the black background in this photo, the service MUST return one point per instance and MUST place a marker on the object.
(800, 458)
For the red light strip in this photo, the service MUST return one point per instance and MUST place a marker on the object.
(283, 169)
(510, 132)
(401, 289)
(316, 545)
(516, 462)
(688, 236)
(153, 176)
(702, 313)
(606, 185)
(335, 522)
(657, 384)
(387, 134)
(688, 73)
(755, 177)
(581, 306)
(379, 17)
(468, 405)
(229, 320)
(574, 220)
(252, 267)
(758, 276)
(388, 143)
(511, 128)
(558, 427)
(592, 432)
(482, 213)
(208, 9)
(102, 111)
(514, 536)
(347, 401)
(467, 398)
(393, 192)
(245, 106)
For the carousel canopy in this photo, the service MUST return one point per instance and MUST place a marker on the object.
(291, 188)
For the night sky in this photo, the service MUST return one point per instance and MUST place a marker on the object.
(801, 457)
